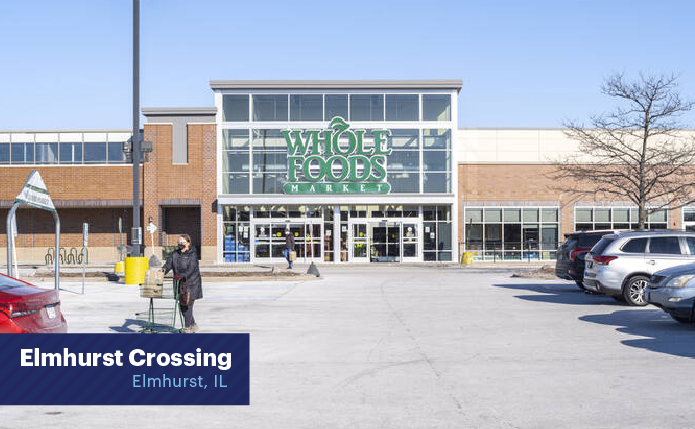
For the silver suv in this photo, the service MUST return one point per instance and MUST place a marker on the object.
(620, 264)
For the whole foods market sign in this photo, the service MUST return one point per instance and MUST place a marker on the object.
(337, 160)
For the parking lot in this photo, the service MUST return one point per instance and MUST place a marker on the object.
(409, 347)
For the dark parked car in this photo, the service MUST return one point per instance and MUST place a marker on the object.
(25, 308)
(570, 255)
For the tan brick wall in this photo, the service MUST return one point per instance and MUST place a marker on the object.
(520, 184)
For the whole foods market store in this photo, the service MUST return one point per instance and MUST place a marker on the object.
(359, 171)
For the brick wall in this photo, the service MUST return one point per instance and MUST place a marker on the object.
(523, 184)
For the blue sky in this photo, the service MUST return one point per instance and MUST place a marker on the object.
(67, 64)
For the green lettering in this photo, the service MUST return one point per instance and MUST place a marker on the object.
(293, 167)
(366, 168)
(307, 168)
(298, 143)
(378, 167)
(344, 168)
(380, 142)
(360, 144)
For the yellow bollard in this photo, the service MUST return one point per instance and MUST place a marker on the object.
(467, 258)
(135, 268)
(120, 267)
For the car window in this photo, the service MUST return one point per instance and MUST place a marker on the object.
(588, 240)
(601, 246)
(9, 283)
(665, 245)
(691, 244)
(636, 245)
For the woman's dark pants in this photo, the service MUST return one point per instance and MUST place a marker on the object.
(187, 311)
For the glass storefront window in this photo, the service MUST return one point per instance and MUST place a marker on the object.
(115, 153)
(235, 183)
(402, 107)
(615, 218)
(235, 107)
(511, 232)
(268, 183)
(434, 183)
(336, 105)
(22, 153)
(366, 107)
(436, 107)
(306, 107)
(4, 153)
(47, 153)
(270, 107)
(71, 152)
(235, 139)
(94, 152)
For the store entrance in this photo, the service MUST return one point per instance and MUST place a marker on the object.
(385, 242)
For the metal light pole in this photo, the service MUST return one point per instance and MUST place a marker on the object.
(135, 233)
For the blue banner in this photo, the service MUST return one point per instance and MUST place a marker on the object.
(129, 369)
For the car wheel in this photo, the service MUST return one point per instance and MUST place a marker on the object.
(633, 292)
(681, 319)
(580, 284)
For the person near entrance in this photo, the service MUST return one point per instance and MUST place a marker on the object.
(289, 247)
(184, 262)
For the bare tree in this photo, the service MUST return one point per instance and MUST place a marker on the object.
(639, 152)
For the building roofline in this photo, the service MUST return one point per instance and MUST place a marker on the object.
(339, 84)
(106, 130)
(179, 111)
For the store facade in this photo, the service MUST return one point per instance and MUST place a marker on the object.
(359, 171)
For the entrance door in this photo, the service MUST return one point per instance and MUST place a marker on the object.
(358, 242)
(385, 242)
(410, 237)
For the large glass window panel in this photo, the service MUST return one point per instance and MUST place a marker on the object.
(403, 139)
(115, 154)
(436, 160)
(336, 105)
(437, 182)
(659, 216)
(236, 183)
(306, 107)
(512, 236)
(47, 153)
(235, 161)
(689, 215)
(436, 107)
(366, 107)
(512, 215)
(549, 215)
(268, 183)
(436, 139)
(530, 215)
(602, 215)
(583, 215)
(269, 139)
(493, 215)
(621, 215)
(94, 152)
(235, 139)
(4, 153)
(549, 237)
(22, 153)
(269, 161)
(235, 108)
(404, 183)
(473, 215)
(402, 107)
(270, 107)
(404, 160)
(493, 236)
(444, 241)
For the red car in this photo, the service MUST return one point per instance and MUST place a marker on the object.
(24, 308)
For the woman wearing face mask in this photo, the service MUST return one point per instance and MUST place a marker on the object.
(184, 262)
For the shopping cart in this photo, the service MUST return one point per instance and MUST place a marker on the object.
(164, 313)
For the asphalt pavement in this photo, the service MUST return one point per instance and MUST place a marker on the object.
(413, 347)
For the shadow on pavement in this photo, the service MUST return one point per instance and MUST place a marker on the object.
(126, 327)
(558, 293)
(664, 335)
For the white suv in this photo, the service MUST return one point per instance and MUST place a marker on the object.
(620, 264)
